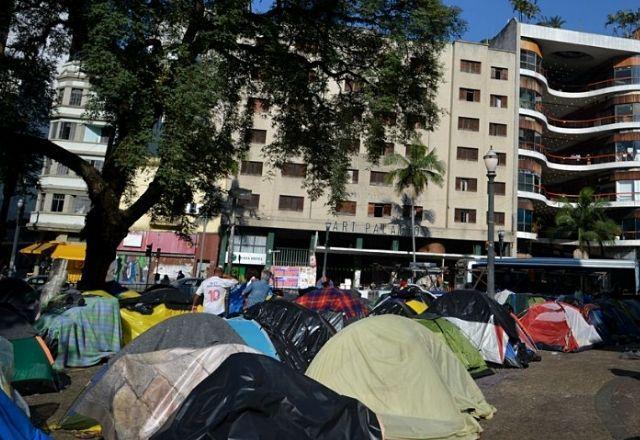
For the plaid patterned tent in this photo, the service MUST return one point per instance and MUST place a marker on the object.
(335, 300)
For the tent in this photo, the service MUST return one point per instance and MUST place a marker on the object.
(519, 302)
(458, 343)
(335, 300)
(488, 325)
(296, 332)
(612, 320)
(559, 326)
(14, 424)
(390, 305)
(137, 393)
(253, 335)
(21, 296)
(32, 359)
(254, 396)
(407, 375)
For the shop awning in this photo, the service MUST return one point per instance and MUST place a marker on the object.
(70, 251)
(38, 248)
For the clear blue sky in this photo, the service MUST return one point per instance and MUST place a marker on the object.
(485, 18)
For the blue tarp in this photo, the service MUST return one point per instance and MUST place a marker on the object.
(14, 424)
(253, 335)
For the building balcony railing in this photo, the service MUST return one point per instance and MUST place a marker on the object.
(579, 159)
(578, 88)
(572, 198)
(586, 123)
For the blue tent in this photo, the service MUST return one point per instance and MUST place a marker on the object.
(14, 424)
(253, 335)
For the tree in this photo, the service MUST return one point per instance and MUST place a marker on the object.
(527, 9)
(554, 22)
(171, 80)
(414, 172)
(624, 22)
(586, 222)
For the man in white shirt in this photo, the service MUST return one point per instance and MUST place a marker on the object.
(214, 292)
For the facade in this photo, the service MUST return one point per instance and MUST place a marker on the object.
(579, 126)
(370, 234)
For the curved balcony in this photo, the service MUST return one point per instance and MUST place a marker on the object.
(583, 126)
(592, 90)
(558, 200)
(575, 162)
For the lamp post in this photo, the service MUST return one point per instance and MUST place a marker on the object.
(16, 233)
(235, 194)
(491, 163)
(327, 227)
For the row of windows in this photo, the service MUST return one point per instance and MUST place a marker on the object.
(473, 95)
(78, 132)
(470, 184)
(463, 215)
(73, 99)
(78, 204)
(473, 124)
(469, 66)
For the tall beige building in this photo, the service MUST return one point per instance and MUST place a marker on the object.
(281, 225)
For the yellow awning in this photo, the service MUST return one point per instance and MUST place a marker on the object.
(38, 248)
(70, 251)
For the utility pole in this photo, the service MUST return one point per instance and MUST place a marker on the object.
(491, 163)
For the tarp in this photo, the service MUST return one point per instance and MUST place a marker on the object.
(70, 251)
(14, 424)
(296, 332)
(83, 336)
(458, 343)
(253, 396)
(16, 293)
(334, 300)
(253, 335)
(612, 320)
(135, 323)
(407, 375)
(139, 392)
(559, 326)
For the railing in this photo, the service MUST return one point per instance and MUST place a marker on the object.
(577, 88)
(577, 159)
(571, 198)
(586, 123)
(290, 257)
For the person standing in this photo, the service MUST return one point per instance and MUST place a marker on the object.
(214, 291)
(180, 275)
(258, 290)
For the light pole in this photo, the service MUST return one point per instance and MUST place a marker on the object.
(491, 163)
(235, 194)
(327, 227)
(16, 233)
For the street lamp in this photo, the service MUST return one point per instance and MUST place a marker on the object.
(16, 233)
(491, 163)
(327, 227)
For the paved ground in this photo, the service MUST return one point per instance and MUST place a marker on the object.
(591, 395)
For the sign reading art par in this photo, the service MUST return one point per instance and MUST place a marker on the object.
(376, 228)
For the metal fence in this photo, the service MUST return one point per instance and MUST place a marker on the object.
(290, 257)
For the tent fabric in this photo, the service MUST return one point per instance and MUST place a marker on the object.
(14, 325)
(253, 335)
(390, 305)
(70, 251)
(407, 375)
(14, 424)
(18, 294)
(139, 392)
(135, 323)
(254, 396)
(559, 326)
(32, 370)
(458, 343)
(334, 300)
(519, 302)
(83, 336)
(297, 333)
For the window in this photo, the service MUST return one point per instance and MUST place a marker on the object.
(57, 203)
(105, 134)
(529, 98)
(47, 166)
(497, 129)
(192, 209)
(354, 146)
(466, 153)
(251, 168)
(469, 124)
(389, 148)
(53, 131)
(528, 181)
(252, 244)
(352, 86)
(258, 136)
(499, 188)
(529, 139)
(502, 159)
(259, 105)
(498, 218)
(470, 66)
(252, 202)
(530, 60)
(406, 212)
(465, 215)
(60, 96)
(81, 204)
(346, 208)
(75, 99)
(291, 203)
(291, 169)
(352, 176)
(98, 164)
(471, 95)
(525, 220)
(466, 184)
(67, 130)
(62, 170)
(378, 178)
(499, 101)
(379, 210)
(499, 73)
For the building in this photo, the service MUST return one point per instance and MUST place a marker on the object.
(579, 125)
(62, 202)
(370, 233)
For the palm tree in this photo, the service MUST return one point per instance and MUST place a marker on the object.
(586, 222)
(553, 22)
(624, 22)
(414, 172)
(526, 8)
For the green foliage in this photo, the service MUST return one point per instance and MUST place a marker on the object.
(528, 9)
(415, 171)
(553, 22)
(586, 222)
(624, 22)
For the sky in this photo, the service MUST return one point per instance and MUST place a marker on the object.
(485, 18)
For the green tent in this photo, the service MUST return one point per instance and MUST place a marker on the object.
(459, 344)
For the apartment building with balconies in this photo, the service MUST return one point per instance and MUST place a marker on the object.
(579, 126)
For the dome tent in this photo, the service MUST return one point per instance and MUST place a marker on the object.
(433, 398)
